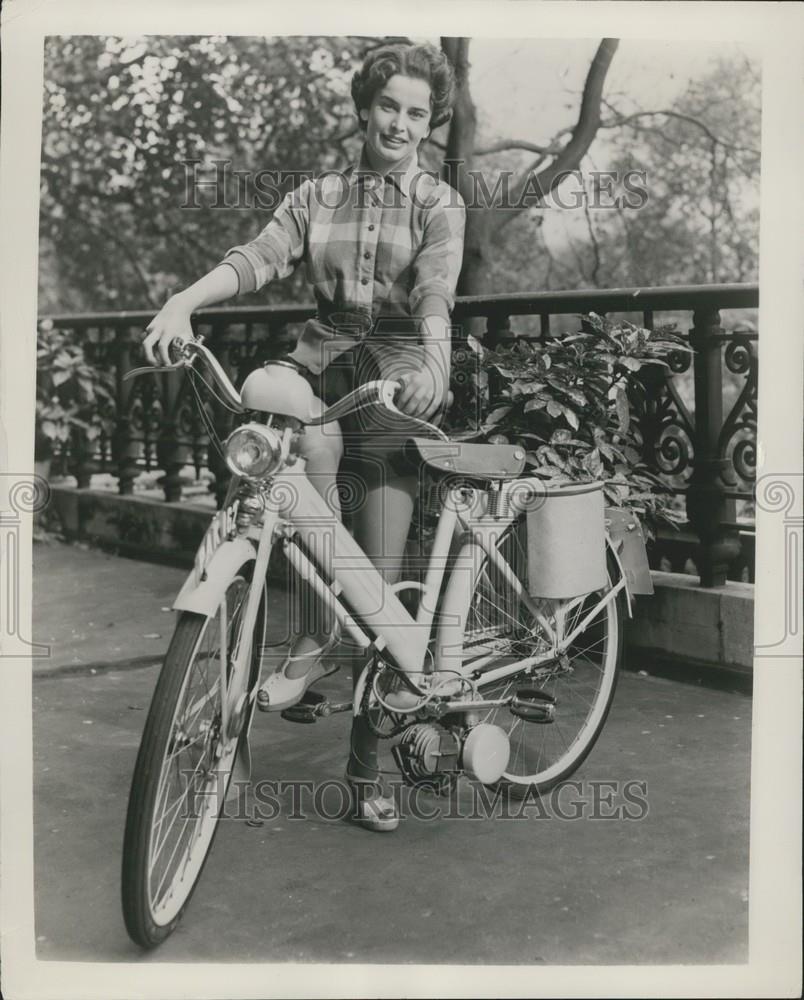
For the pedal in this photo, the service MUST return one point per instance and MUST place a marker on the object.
(307, 710)
(312, 707)
(533, 705)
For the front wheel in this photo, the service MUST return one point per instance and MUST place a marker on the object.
(184, 765)
(582, 682)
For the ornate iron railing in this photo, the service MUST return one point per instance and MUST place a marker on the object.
(701, 442)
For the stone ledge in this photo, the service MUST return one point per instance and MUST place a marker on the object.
(712, 626)
(682, 623)
(131, 525)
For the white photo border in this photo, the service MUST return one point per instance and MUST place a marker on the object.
(775, 896)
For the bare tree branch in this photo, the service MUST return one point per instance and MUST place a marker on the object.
(596, 258)
(537, 185)
(637, 115)
(503, 145)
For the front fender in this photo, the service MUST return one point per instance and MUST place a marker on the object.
(204, 597)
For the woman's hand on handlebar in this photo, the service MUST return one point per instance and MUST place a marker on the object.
(422, 392)
(171, 323)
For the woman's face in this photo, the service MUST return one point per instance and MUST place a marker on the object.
(398, 119)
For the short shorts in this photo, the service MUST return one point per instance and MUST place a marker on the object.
(372, 434)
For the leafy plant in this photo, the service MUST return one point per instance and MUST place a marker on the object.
(74, 399)
(566, 402)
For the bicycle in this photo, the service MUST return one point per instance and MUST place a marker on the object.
(482, 678)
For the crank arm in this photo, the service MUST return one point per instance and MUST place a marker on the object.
(467, 705)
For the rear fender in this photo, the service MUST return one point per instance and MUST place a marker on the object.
(204, 596)
(627, 546)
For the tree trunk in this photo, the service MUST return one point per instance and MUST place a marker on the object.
(458, 161)
(483, 223)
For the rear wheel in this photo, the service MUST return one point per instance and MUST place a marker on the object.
(582, 682)
(184, 765)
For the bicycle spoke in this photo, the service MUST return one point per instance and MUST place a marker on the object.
(178, 819)
(500, 626)
(179, 801)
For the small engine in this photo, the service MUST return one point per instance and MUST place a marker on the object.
(429, 753)
(426, 751)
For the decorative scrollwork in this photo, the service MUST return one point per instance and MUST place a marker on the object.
(679, 362)
(744, 458)
(667, 432)
(145, 417)
(674, 451)
(739, 356)
(737, 438)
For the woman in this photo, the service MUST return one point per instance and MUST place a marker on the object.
(383, 244)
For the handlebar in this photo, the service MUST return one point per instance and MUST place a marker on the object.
(185, 352)
(382, 392)
(379, 392)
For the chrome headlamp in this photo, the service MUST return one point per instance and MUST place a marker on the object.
(254, 451)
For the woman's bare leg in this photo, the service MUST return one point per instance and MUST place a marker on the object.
(310, 625)
(381, 529)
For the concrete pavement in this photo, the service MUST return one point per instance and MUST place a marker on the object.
(670, 887)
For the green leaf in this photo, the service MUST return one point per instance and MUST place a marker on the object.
(553, 457)
(497, 415)
(593, 463)
(622, 408)
(577, 397)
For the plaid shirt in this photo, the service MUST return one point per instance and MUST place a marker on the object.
(376, 248)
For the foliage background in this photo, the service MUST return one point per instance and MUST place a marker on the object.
(121, 117)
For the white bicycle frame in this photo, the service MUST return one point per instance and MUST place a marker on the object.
(320, 548)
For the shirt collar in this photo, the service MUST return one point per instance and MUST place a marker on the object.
(401, 176)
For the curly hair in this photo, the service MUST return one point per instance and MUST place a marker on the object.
(425, 62)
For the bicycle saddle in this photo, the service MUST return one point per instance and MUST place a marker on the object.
(475, 461)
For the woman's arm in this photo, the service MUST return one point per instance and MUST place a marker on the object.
(273, 254)
(436, 269)
(172, 322)
(425, 390)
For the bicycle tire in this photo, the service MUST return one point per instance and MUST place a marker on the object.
(148, 920)
(531, 770)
